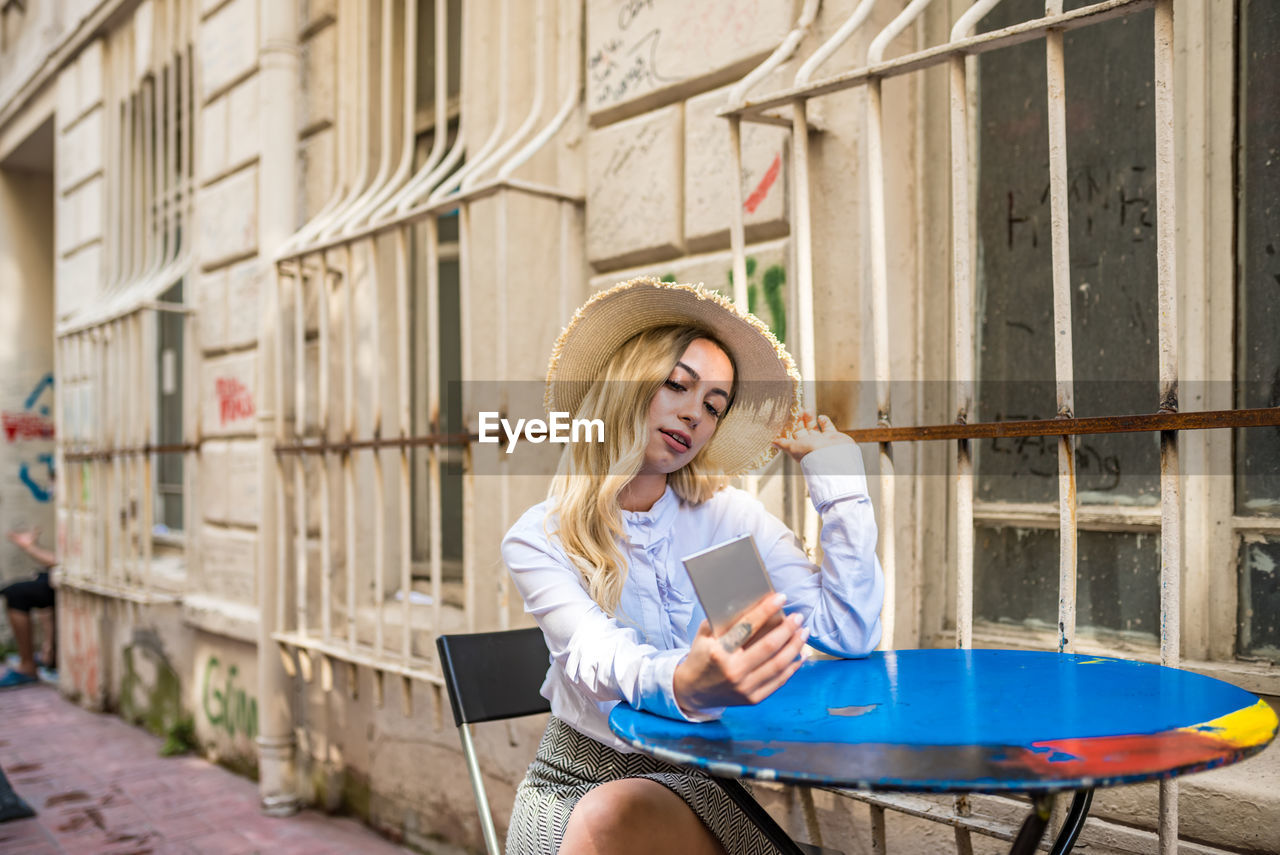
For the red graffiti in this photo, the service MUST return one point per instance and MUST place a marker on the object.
(234, 400)
(762, 189)
(81, 656)
(26, 426)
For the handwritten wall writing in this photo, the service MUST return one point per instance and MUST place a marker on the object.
(227, 706)
(33, 424)
(235, 401)
(635, 47)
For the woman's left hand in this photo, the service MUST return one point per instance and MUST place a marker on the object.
(811, 435)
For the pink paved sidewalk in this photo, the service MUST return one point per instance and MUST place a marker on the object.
(98, 785)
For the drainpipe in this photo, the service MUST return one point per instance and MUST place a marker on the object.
(277, 220)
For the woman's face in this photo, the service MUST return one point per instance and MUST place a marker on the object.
(687, 407)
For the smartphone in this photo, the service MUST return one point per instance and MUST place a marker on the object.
(729, 578)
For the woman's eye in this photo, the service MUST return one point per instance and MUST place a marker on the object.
(713, 411)
(671, 384)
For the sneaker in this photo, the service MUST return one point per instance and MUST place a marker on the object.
(13, 678)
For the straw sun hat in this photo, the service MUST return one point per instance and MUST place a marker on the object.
(767, 397)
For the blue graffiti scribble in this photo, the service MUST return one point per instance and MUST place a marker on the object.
(40, 493)
(46, 382)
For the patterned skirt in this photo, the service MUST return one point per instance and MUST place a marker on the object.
(568, 765)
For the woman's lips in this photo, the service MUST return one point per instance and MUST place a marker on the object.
(675, 440)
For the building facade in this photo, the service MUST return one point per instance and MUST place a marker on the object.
(266, 262)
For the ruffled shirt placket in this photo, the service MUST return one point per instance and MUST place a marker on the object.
(648, 576)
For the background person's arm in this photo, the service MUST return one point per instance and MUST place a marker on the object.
(26, 541)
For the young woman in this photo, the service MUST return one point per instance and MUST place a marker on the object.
(691, 391)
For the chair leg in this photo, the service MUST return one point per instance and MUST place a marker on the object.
(1028, 839)
(477, 785)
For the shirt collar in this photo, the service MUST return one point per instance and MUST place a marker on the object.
(645, 528)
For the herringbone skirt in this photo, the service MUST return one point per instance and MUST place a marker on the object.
(569, 765)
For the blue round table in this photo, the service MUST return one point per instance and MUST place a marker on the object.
(970, 721)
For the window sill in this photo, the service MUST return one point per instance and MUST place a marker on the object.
(1261, 678)
(222, 617)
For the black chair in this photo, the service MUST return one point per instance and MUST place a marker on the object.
(498, 675)
(492, 676)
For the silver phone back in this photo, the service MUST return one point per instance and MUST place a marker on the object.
(729, 578)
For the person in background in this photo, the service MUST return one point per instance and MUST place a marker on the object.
(20, 598)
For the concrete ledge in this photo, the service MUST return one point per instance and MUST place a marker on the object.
(221, 617)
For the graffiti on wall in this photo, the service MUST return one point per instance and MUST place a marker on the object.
(32, 423)
(235, 401)
(227, 706)
(81, 657)
(761, 191)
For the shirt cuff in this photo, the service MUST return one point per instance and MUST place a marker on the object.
(833, 473)
(660, 695)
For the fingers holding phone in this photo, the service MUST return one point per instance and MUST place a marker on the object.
(746, 663)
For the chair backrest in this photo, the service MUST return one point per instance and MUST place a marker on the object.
(494, 675)
(490, 676)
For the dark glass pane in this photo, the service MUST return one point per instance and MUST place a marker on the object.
(169, 466)
(1260, 598)
(1117, 586)
(451, 419)
(1258, 306)
(1111, 175)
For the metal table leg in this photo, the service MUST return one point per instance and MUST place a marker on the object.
(1074, 823)
(1028, 839)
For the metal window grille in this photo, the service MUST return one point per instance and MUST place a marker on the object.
(364, 287)
(789, 107)
(115, 435)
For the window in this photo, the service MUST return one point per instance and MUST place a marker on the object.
(1257, 450)
(170, 506)
(128, 428)
(1111, 175)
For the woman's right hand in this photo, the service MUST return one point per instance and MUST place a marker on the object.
(746, 664)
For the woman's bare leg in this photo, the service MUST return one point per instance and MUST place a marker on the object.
(636, 815)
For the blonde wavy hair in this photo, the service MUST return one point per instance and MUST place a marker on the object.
(584, 491)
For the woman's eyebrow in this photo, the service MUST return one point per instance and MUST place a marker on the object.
(696, 376)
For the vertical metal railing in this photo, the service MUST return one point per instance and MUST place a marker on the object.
(958, 55)
(1167, 299)
(357, 253)
(1055, 68)
(107, 345)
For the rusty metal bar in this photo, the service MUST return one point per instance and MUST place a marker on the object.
(282, 538)
(963, 336)
(956, 48)
(1167, 303)
(1172, 421)
(300, 466)
(1059, 220)
(435, 491)
(326, 509)
(379, 480)
(879, 251)
(148, 448)
(406, 428)
(432, 209)
(349, 427)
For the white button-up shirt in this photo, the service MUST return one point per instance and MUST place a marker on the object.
(598, 660)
